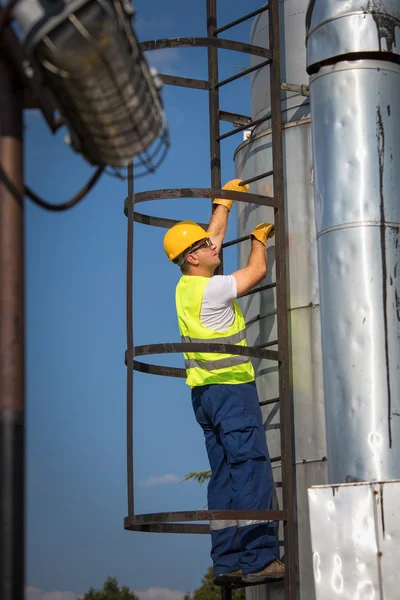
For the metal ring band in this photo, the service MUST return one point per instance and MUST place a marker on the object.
(173, 193)
(179, 347)
(207, 42)
(174, 522)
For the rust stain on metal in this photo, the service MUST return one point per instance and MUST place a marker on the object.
(380, 136)
(385, 24)
(382, 511)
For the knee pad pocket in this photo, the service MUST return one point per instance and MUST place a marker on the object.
(243, 438)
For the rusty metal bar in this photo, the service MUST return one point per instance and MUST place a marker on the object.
(188, 528)
(206, 346)
(129, 344)
(276, 459)
(244, 127)
(261, 317)
(12, 368)
(267, 344)
(262, 288)
(197, 84)
(226, 593)
(158, 221)
(258, 177)
(236, 241)
(288, 487)
(234, 118)
(213, 106)
(303, 90)
(210, 42)
(201, 193)
(242, 19)
(210, 515)
(268, 402)
(244, 72)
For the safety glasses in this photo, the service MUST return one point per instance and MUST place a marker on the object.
(206, 244)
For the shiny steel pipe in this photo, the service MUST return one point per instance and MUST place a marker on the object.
(356, 149)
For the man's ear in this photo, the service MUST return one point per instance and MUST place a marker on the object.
(192, 259)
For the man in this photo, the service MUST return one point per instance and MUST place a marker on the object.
(224, 393)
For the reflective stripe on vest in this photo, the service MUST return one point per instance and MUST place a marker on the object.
(214, 365)
(235, 338)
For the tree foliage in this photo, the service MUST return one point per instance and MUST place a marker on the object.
(209, 591)
(110, 591)
(199, 476)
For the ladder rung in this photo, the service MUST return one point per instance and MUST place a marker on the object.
(236, 241)
(267, 344)
(303, 90)
(267, 402)
(267, 286)
(259, 317)
(275, 459)
(234, 117)
(198, 84)
(262, 64)
(241, 20)
(257, 177)
(244, 127)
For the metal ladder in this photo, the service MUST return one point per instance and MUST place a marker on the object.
(179, 522)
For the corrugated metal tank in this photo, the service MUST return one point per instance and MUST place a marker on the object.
(253, 157)
(353, 55)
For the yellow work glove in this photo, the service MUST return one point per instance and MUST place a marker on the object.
(263, 232)
(234, 185)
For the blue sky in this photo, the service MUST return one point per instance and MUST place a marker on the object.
(76, 377)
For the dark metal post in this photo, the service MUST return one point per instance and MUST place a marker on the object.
(226, 593)
(213, 95)
(213, 100)
(129, 342)
(290, 538)
(12, 438)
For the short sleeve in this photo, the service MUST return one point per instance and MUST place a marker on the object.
(221, 290)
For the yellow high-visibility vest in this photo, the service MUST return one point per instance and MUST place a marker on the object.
(205, 368)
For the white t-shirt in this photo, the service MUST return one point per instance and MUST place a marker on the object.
(217, 312)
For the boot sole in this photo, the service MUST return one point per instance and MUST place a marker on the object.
(263, 578)
(228, 581)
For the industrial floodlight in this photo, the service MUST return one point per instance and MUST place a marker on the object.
(89, 59)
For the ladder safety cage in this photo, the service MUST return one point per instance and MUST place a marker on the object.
(185, 521)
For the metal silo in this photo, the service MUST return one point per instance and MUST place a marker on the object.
(353, 58)
(253, 157)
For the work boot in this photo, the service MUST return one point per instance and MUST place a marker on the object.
(228, 578)
(274, 571)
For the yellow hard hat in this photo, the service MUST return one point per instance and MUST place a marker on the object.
(181, 236)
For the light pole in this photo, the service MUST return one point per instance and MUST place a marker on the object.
(12, 439)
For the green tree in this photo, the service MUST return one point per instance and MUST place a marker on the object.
(199, 476)
(110, 591)
(209, 591)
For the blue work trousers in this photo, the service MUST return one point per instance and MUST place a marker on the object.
(241, 477)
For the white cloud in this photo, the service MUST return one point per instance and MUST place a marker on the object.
(152, 593)
(156, 593)
(32, 593)
(166, 60)
(161, 480)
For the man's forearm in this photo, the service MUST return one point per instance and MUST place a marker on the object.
(219, 221)
(258, 256)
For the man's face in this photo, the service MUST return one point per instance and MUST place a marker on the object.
(205, 254)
